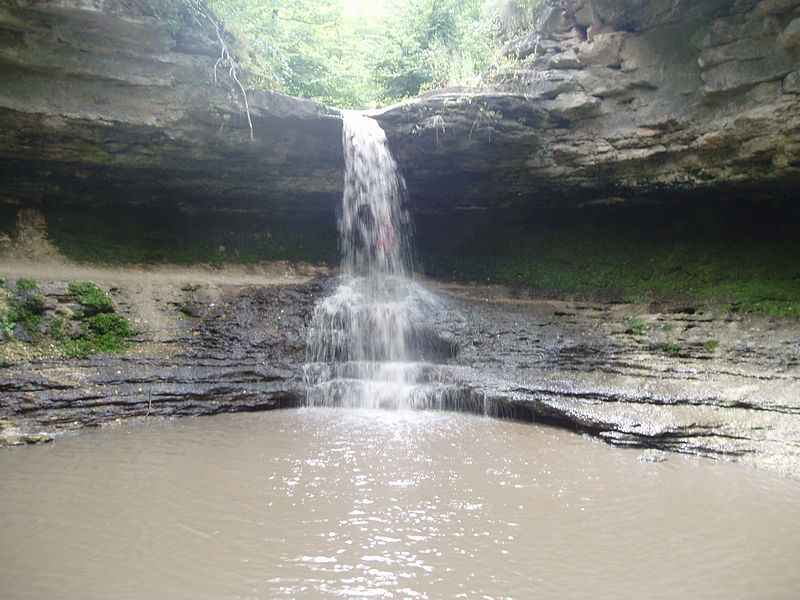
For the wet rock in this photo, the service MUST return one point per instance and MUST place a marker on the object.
(791, 83)
(563, 362)
(652, 455)
(243, 353)
(24, 334)
(574, 366)
(14, 436)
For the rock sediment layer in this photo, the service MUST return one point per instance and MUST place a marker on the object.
(615, 101)
(604, 101)
(711, 384)
(101, 104)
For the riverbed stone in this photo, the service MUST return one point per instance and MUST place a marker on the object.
(569, 363)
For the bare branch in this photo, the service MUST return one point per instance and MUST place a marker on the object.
(225, 55)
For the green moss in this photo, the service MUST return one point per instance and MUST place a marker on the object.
(743, 260)
(101, 331)
(91, 295)
(86, 346)
(109, 324)
(24, 307)
(671, 348)
(56, 329)
(26, 285)
(7, 323)
(636, 326)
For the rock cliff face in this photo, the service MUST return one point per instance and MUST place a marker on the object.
(101, 104)
(616, 100)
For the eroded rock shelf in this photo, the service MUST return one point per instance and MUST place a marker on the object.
(570, 363)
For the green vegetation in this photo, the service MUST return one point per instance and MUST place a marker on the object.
(741, 259)
(636, 326)
(103, 332)
(671, 348)
(7, 324)
(355, 53)
(91, 295)
(93, 327)
(22, 307)
(711, 345)
(26, 285)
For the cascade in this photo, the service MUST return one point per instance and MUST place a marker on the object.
(369, 339)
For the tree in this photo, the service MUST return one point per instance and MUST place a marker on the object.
(326, 50)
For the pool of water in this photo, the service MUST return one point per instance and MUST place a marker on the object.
(335, 503)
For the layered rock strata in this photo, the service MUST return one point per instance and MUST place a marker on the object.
(713, 384)
(614, 101)
(602, 102)
(100, 103)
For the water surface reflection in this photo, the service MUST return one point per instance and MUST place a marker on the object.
(333, 503)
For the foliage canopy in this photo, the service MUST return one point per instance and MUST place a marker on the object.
(367, 53)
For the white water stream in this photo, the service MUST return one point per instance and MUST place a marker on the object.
(365, 338)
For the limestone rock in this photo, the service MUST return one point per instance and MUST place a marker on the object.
(603, 50)
(100, 103)
(791, 83)
(666, 98)
(566, 363)
(790, 36)
(616, 100)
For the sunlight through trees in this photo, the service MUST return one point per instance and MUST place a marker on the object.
(368, 53)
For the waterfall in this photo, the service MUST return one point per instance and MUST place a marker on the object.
(368, 341)
(373, 222)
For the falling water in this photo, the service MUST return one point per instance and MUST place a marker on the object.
(368, 339)
(373, 222)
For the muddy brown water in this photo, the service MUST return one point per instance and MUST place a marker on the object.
(333, 503)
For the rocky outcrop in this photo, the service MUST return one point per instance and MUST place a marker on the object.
(658, 377)
(201, 349)
(100, 103)
(663, 377)
(616, 100)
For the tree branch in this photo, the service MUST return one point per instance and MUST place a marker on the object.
(225, 55)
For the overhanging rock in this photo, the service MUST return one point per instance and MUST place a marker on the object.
(613, 102)
(100, 103)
